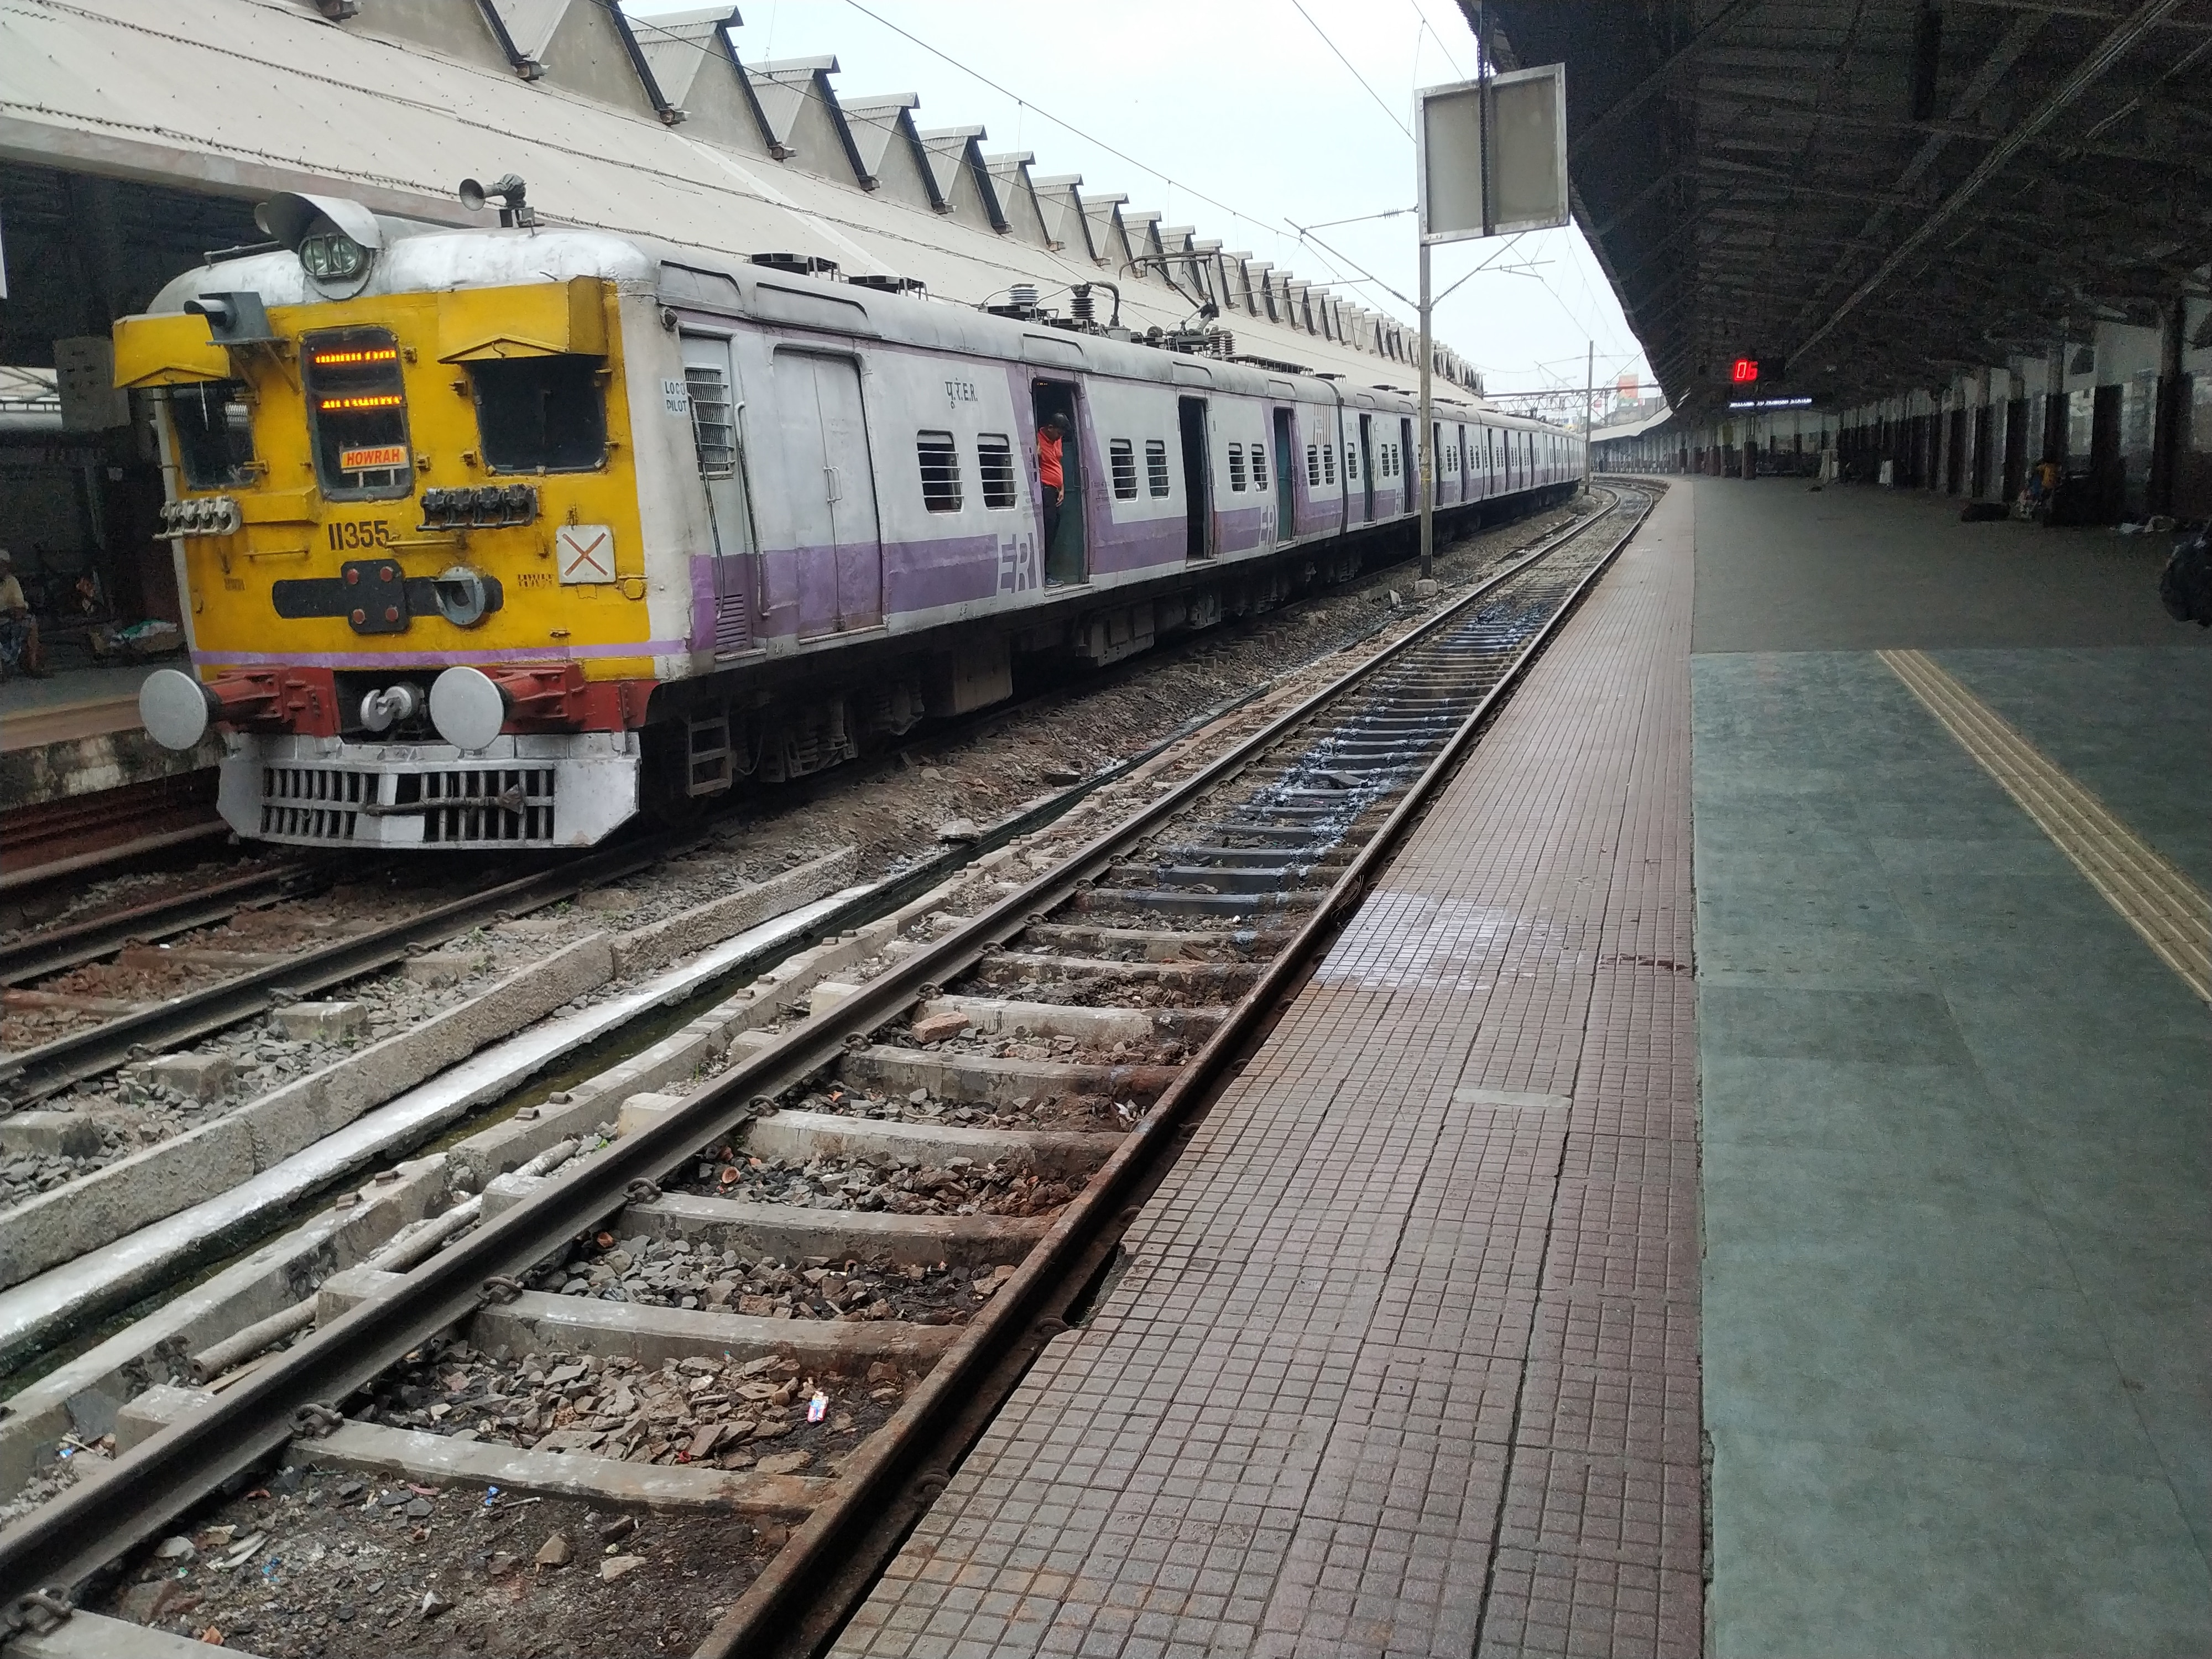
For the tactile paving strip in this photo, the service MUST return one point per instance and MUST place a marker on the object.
(2172, 913)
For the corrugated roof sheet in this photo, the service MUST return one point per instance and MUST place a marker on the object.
(246, 97)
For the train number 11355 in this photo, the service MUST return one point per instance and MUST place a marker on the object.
(359, 532)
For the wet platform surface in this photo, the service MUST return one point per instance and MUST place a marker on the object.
(1958, 1241)
(1405, 1358)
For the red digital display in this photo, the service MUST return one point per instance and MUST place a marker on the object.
(1746, 371)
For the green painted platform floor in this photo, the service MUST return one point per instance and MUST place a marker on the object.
(1958, 1240)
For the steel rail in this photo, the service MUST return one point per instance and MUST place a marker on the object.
(804, 1598)
(36, 1073)
(64, 1542)
(56, 950)
(24, 886)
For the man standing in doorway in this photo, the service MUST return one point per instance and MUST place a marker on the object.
(1050, 434)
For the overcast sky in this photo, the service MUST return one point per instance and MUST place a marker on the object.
(1237, 116)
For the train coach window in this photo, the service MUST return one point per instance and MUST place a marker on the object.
(214, 432)
(1122, 454)
(547, 414)
(1313, 466)
(356, 399)
(1156, 465)
(1328, 463)
(940, 471)
(1259, 466)
(994, 462)
(1237, 467)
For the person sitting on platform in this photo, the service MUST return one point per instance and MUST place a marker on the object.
(19, 650)
(2043, 487)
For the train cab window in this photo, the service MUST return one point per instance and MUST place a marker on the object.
(1259, 466)
(1328, 463)
(1313, 466)
(544, 414)
(1156, 465)
(1237, 467)
(1121, 454)
(995, 461)
(356, 399)
(214, 428)
(940, 471)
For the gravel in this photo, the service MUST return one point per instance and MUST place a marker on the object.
(347, 1567)
(729, 1413)
(130, 1110)
(1063, 1112)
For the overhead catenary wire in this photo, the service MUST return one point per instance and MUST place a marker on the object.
(1120, 155)
(1396, 119)
(1421, 13)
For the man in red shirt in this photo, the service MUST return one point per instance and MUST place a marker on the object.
(1050, 434)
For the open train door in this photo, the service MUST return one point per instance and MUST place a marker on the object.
(1286, 497)
(831, 496)
(1197, 478)
(1367, 466)
(1067, 559)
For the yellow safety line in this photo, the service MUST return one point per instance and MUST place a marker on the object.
(2172, 913)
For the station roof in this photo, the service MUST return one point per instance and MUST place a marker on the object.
(646, 126)
(1879, 193)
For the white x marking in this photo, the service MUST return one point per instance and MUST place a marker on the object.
(585, 555)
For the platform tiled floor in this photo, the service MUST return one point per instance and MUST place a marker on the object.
(1406, 1359)
(1959, 1380)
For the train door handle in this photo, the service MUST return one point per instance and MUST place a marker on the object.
(830, 481)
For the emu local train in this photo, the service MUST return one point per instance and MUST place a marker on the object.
(493, 538)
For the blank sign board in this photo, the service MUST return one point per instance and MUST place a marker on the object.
(1528, 172)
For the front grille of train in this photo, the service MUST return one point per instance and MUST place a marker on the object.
(484, 806)
(314, 803)
(460, 806)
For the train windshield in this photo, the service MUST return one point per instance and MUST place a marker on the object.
(214, 427)
(357, 413)
(541, 414)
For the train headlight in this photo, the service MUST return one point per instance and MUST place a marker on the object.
(176, 709)
(467, 708)
(333, 255)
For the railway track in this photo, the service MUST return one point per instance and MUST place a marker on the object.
(211, 984)
(241, 985)
(903, 1195)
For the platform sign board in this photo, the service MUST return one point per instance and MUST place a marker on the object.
(1525, 185)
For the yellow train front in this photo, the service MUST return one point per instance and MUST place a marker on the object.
(405, 508)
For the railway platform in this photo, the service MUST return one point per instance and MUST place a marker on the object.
(1797, 1246)
(79, 774)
